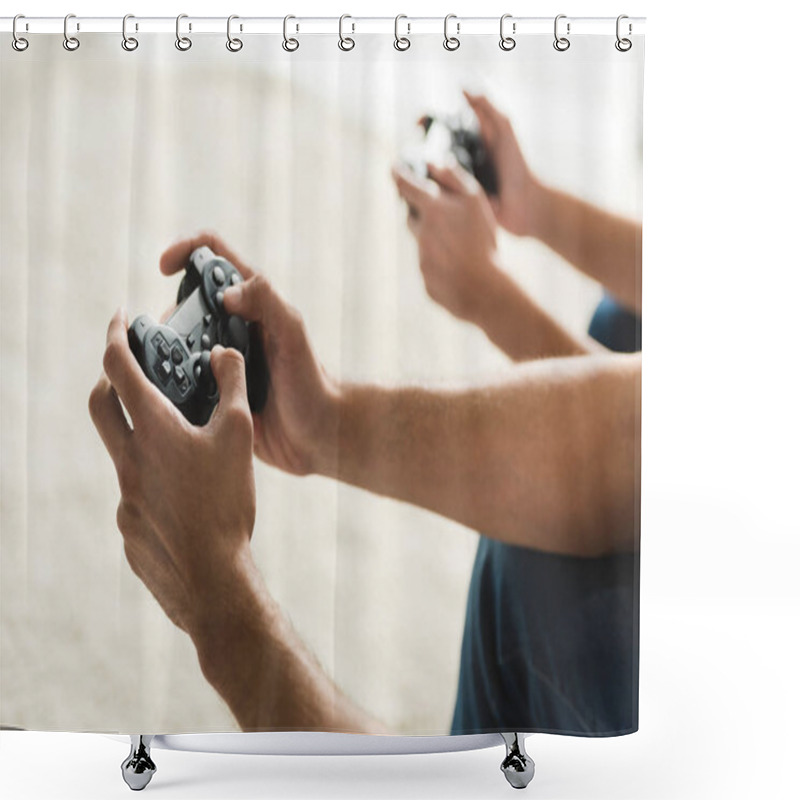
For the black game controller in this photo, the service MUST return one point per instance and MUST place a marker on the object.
(176, 356)
(443, 135)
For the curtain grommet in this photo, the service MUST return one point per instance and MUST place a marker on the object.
(623, 44)
(129, 43)
(507, 43)
(70, 43)
(234, 44)
(289, 44)
(346, 43)
(183, 43)
(19, 43)
(451, 43)
(401, 43)
(561, 43)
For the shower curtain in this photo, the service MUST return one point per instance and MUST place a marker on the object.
(443, 575)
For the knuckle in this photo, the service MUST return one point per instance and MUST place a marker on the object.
(96, 398)
(130, 555)
(259, 284)
(210, 238)
(230, 358)
(239, 419)
(126, 518)
(296, 338)
(234, 356)
(296, 320)
(112, 357)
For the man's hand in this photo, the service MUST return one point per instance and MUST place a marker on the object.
(605, 246)
(187, 513)
(455, 229)
(299, 418)
(519, 197)
(188, 496)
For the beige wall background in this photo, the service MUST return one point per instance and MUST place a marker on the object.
(105, 158)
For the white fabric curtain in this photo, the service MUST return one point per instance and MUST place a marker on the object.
(106, 158)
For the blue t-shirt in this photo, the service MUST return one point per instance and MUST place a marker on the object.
(551, 642)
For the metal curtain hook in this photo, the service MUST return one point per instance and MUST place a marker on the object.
(18, 42)
(346, 42)
(623, 45)
(233, 44)
(289, 44)
(129, 43)
(561, 43)
(507, 42)
(451, 42)
(70, 43)
(182, 42)
(401, 43)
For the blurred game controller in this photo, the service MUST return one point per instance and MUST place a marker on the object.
(176, 355)
(445, 135)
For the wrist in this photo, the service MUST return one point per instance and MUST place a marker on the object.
(492, 299)
(538, 208)
(232, 628)
(325, 448)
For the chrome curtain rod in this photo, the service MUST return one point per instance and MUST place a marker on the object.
(458, 26)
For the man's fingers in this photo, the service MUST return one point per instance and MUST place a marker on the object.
(249, 299)
(482, 105)
(227, 365)
(415, 191)
(124, 372)
(453, 179)
(176, 257)
(256, 301)
(108, 418)
(488, 117)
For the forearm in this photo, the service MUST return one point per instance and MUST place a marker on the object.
(269, 679)
(604, 246)
(520, 327)
(547, 459)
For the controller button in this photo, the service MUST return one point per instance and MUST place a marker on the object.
(207, 320)
(218, 298)
(163, 350)
(205, 341)
(164, 370)
(190, 340)
(218, 274)
(198, 371)
(236, 278)
(177, 357)
(180, 376)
